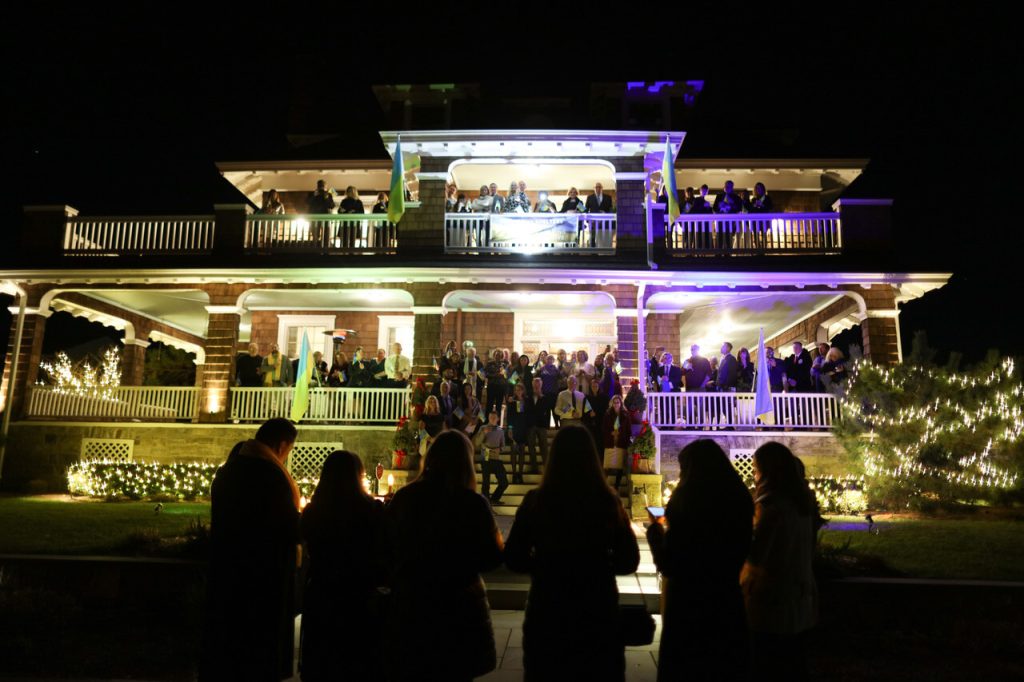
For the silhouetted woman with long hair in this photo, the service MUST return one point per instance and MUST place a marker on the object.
(700, 554)
(341, 618)
(442, 535)
(778, 582)
(573, 537)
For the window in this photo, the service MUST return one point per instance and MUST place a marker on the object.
(291, 327)
(396, 329)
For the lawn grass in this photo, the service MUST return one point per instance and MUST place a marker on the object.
(52, 524)
(967, 548)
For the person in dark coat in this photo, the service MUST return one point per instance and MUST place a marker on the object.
(777, 581)
(594, 420)
(247, 368)
(342, 618)
(700, 555)
(573, 537)
(254, 539)
(441, 536)
(360, 370)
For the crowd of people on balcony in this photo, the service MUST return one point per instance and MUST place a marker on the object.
(516, 200)
(727, 202)
(823, 371)
(275, 370)
(323, 202)
(406, 569)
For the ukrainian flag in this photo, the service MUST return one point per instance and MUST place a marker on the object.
(300, 403)
(396, 199)
(668, 179)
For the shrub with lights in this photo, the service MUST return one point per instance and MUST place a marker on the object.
(141, 480)
(928, 437)
(82, 378)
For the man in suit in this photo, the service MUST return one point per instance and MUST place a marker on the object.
(599, 202)
(697, 371)
(668, 378)
(725, 381)
(446, 401)
(727, 203)
(571, 404)
(798, 376)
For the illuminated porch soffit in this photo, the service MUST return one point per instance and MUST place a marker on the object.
(711, 318)
(253, 178)
(911, 283)
(106, 319)
(507, 144)
(567, 302)
(181, 310)
(326, 299)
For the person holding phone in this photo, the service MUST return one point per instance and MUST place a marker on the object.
(699, 547)
(616, 434)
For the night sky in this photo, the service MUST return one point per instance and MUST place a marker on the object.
(132, 117)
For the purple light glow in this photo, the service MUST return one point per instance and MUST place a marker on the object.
(849, 526)
(658, 85)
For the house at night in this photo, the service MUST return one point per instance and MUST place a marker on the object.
(629, 278)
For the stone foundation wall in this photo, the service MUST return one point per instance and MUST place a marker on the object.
(38, 454)
(821, 453)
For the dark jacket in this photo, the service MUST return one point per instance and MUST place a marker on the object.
(674, 376)
(698, 374)
(728, 371)
(341, 618)
(609, 438)
(570, 630)
(254, 535)
(360, 374)
(604, 206)
(440, 541)
(247, 370)
(798, 369)
(744, 377)
(320, 203)
(704, 630)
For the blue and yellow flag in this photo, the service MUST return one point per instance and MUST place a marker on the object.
(668, 181)
(396, 199)
(764, 407)
(300, 403)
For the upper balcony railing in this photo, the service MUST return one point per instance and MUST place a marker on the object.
(321, 234)
(754, 234)
(530, 233)
(122, 236)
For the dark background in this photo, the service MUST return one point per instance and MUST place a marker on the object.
(129, 114)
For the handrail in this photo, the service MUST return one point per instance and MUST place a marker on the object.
(754, 234)
(335, 405)
(699, 410)
(329, 233)
(119, 235)
(160, 403)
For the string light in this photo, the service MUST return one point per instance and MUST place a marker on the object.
(83, 379)
(907, 442)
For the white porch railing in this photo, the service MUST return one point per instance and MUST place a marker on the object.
(754, 234)
(118, 236)
(530, 233)
(166, 403)
(346, 233)
(361, 405)
(736, 410)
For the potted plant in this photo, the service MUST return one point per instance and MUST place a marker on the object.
(403, 445)
(643, 449)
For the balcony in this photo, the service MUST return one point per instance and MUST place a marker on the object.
(125, 236)
(799, 411)
(345, 234)
(530, 233)
(754, 234)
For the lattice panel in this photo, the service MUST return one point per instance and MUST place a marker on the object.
(743, 460)
(307, 459)
(108, 449)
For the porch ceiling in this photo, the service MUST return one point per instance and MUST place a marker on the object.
(185, 310)
(708, 319)
(568, 302)
(327, 299)
(539, 174)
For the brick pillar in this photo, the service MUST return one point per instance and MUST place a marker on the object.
(626, 335)
(427, 335)
(880, 329)
(133, 361)
(27, 371)
(221, 344)
(421, 230)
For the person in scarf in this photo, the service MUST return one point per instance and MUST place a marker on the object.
(276, 368)
(254, 553)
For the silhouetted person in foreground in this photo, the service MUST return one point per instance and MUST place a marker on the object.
(342, 616)
(778, 583)
(442, 535)
(700, 554)
(254, 536)
(573, 537)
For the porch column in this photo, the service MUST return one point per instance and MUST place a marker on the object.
(880, 327)
(421, 230)
(200, 366)
(221, 347)
(427, 335)
(29, 354)
(626, 335)
(630, 208)
(133, 357)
